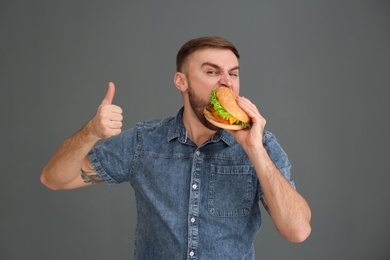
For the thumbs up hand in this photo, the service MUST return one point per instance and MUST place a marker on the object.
(108, 119)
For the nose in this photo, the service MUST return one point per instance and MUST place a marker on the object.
(226, 81)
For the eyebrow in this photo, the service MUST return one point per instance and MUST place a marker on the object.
(218, 67)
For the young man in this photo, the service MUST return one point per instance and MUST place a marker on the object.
(197, 187)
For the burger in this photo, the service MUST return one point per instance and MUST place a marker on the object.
(224, 111)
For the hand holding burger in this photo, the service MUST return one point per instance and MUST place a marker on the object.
(224, 111)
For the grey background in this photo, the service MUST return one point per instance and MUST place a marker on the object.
(319, 71)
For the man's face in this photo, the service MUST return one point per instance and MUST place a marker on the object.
(206, 69)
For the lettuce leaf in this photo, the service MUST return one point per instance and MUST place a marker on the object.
(245, 125)
(219, 110)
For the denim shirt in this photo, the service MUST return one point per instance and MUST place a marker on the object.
(192, 202)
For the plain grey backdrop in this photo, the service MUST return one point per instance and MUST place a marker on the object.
(319, 71)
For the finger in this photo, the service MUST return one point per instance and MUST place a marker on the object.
(109, 95)
(252, 111)
(248, 106)
(116, 125)
(116, 117)
(116, 109)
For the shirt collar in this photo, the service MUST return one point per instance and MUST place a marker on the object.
(177, 130)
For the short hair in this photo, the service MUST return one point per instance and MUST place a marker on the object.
(202, 43)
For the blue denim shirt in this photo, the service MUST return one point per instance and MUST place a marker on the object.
(192, 202)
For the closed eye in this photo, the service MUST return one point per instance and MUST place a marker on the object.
(212, 72)
(233, 73)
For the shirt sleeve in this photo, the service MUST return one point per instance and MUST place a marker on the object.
(112, 159)
(278, 156)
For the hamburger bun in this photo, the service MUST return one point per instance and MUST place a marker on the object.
(227, 98)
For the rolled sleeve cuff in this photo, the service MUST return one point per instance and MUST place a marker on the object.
(99, 169)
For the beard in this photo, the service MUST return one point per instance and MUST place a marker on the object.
(197, 105)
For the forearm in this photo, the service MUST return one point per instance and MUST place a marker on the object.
(66, 164)
(288, 209)
(70, 167)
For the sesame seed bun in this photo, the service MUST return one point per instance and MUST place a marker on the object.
(227, 98)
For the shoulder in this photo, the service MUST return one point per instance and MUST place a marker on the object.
(133, 134)
(154, 129)
(153, 124)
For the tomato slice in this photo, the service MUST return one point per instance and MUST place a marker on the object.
(218, 118)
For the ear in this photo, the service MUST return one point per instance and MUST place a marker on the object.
(180, 81)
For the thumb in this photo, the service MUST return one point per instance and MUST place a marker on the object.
(109, 95)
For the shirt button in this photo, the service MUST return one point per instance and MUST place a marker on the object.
(197, 152)
(192, 220)
(192, 253)
(194, 186)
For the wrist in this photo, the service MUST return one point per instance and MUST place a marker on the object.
(256, 151)
(260, 157)
(88, 133)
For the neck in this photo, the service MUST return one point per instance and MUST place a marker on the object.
(196, 131)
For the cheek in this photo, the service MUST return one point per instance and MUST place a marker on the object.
(197, 101)
(199, 93)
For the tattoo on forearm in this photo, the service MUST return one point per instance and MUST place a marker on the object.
(91, 177)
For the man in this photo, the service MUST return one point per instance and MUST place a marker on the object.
(197, 187)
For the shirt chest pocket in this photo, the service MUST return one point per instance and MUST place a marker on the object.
(232, 190)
